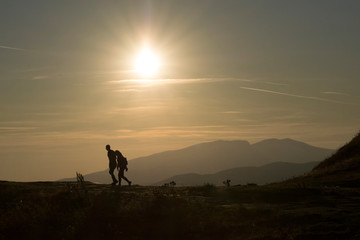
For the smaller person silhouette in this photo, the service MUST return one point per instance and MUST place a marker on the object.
(122, 166)
(112, 163)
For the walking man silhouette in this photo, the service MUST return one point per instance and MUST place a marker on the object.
(122, 166)
(112, 163)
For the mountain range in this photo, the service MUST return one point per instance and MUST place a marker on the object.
(217, 156)
(269, 173)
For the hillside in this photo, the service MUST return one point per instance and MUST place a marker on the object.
(212, 157)
(59, 210)
(342, 168)
(269, 173)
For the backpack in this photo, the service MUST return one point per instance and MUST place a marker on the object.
(122, 161)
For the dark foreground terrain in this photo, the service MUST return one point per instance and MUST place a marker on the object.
(53, 210)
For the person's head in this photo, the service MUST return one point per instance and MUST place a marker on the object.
(107, 147)
(117, 152)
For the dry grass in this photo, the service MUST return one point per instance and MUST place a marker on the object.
(59, 211)
(347, 158)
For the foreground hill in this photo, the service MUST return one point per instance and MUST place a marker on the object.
(342, 168)
(58, 210)
(212, 157)
(273, 172)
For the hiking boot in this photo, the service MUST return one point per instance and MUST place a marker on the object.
(129, 183)
(114, 183)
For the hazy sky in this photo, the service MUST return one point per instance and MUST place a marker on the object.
(246, 70)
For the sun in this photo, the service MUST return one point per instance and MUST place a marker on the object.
(147, 63)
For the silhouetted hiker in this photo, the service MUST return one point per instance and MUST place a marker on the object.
(112, 163)
(122, 166)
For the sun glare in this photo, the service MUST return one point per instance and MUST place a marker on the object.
(147, 63)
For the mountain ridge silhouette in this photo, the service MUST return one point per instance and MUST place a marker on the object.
(269, 173)
(212, 157)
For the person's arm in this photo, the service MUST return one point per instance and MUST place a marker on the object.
(117, 164)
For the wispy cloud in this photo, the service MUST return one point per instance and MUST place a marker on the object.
(16, 128)
(190, 127)
(13, 48)
(244, 120)
(270, 83)
(127, 90)
(151, 82)
(161, 81)
(66, 137)
(295, 95)
(140, 85)
(175, 131)
(124, 131)
(334, 93)
(139, 108)
(231, 112)
(40, 77)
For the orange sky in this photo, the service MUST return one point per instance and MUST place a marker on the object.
(229, 70)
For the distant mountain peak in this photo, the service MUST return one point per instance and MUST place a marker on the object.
(223, 142)
(281, 142)
(277, 140)
(211, 157)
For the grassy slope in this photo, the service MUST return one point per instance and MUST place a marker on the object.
(346, 158)
(69, 211)
(341, 169)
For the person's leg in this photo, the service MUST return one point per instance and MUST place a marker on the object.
(111, 171)
(128, 181)
(121, 176)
